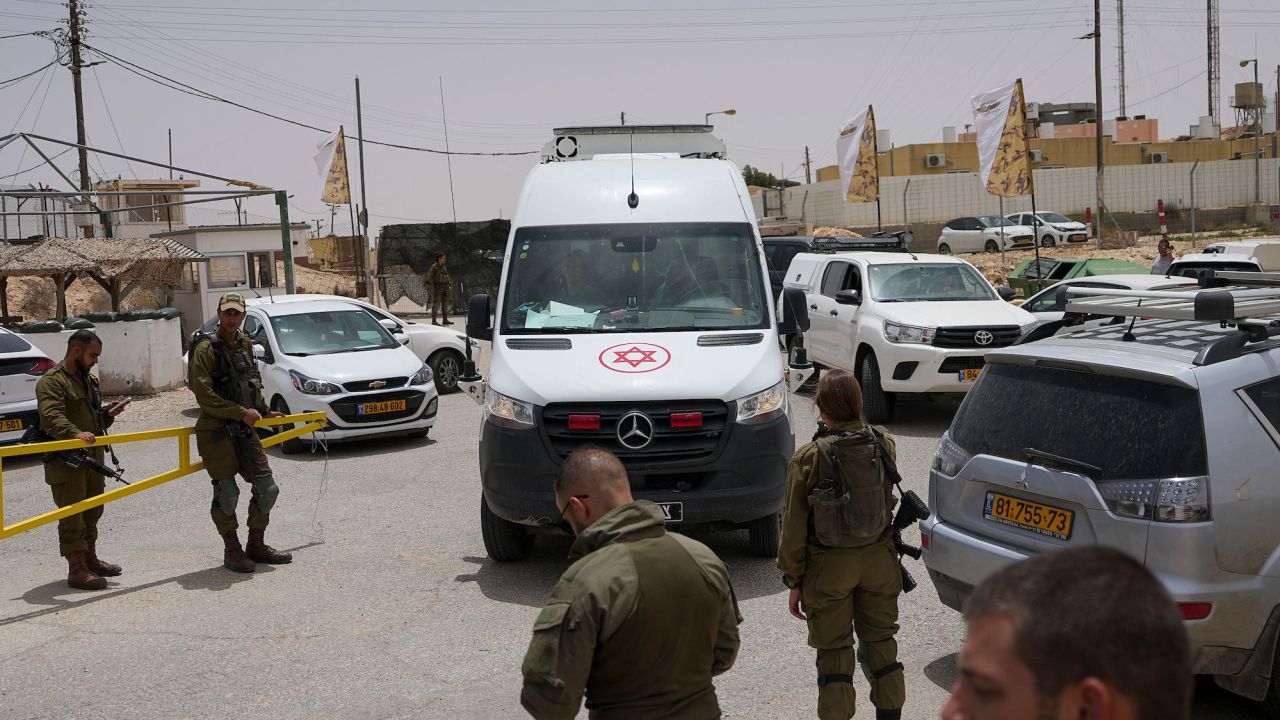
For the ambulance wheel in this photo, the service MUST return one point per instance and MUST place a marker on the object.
(763, 534)
(504, 540)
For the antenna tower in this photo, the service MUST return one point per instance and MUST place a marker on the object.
(1215, 53)
(1120, 34)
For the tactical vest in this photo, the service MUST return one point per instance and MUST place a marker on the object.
(853, 501)
(234, 378)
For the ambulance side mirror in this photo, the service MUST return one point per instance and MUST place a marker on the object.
(795, 316)
(478, 312)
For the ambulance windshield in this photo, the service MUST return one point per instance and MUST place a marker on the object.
(634, 278)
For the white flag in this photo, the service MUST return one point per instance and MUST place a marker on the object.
(325, 151)
(856, 150)
(1004, 158)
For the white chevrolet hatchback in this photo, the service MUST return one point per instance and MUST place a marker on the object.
(332, 357)
(21, 365)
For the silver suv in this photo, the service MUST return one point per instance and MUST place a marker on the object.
(1158, 436)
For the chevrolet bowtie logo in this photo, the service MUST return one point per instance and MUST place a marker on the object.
(377, 384)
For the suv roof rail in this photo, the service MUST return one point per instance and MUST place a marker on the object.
(890, 242)
(1253, 295)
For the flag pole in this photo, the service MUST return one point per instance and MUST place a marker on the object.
(875, 145)
(1035, 218)
(364, 201)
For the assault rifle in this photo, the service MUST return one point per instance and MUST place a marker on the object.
(75, 459)
(239, 433)
(910, 511)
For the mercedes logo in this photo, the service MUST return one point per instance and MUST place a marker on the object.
(635, 431)
(983, 337)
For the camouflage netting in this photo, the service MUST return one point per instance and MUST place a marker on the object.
(152, 262)
(474, 254)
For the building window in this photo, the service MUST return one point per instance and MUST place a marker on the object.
(227, 271)
(190, 280)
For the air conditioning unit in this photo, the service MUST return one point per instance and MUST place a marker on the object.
(1159, 157)
(935, 161)
(1037, 156)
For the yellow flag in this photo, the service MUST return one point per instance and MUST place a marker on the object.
(337, 187)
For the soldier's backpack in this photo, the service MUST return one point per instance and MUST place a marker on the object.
(853, 499)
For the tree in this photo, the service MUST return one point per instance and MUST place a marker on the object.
(759, 178)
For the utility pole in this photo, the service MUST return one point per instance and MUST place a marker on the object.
(1215, 62)
(808, 180)
(1097, 111)
(76, 64)
(622, 118)
(1120, 32)
(364, 203)
(170, 153)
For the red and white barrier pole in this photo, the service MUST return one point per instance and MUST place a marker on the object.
(1164, 226)
(1088, 218)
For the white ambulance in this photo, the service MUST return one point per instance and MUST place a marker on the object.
(634, 314)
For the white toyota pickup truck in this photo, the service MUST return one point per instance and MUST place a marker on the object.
(901, 322)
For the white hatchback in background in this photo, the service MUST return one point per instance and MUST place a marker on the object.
(983, 233)
(21, 365)
(441, 348)
(327, 356)
(1044, 304)
(1053, 228)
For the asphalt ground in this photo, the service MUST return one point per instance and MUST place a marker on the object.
(390, 609)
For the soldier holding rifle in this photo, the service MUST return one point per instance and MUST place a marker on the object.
(70, 407)
(228, 388)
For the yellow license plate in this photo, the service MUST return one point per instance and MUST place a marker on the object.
(386, 406)
(1033, 516)
(970, 374)
(8, 425)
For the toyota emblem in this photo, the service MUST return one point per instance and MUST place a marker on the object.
(635, 431)
(983, 337)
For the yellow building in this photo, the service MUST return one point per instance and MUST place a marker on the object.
(942, 158)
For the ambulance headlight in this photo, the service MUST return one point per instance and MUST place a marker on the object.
(507, 412)
(763, 406)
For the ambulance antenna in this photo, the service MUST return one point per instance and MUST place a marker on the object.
(633, 199)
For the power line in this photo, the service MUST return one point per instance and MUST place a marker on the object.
(27, 75)
(35, 167)
(191, 90)
(107, 107)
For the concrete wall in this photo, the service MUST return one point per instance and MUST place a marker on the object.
(139, 357)
(1129, 189)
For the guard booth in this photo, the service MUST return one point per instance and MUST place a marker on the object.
(241, 259)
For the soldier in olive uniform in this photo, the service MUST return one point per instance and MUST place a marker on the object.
(640, 622)
(438, 283)
(225, 380)
(70, 406)
(850, 588)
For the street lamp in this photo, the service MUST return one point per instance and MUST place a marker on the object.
(1257, 137)
(706, 119)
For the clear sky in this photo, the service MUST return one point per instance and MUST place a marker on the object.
(511, 71)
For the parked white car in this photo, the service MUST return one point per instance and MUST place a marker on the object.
(983, 233)
(21, 365)
(441, 348)
(1044, 304)
(902, 322)
(1052, 228)
(332, 357)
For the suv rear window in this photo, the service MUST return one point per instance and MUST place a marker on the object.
(1132, 429)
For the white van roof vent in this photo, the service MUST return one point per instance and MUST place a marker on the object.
(585, 143)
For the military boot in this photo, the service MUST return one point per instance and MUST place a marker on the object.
(97, 565)
(259, 551)
(233, 557)
(79, 575)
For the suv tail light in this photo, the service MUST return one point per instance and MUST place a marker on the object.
(950, 457)
(42, 366)
(1178, 500)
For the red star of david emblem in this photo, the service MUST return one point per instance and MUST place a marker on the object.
(634, 356)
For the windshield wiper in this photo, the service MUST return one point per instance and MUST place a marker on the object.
(565, 329)
(1058, 462)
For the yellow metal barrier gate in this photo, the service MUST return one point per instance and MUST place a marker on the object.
(312, 421)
